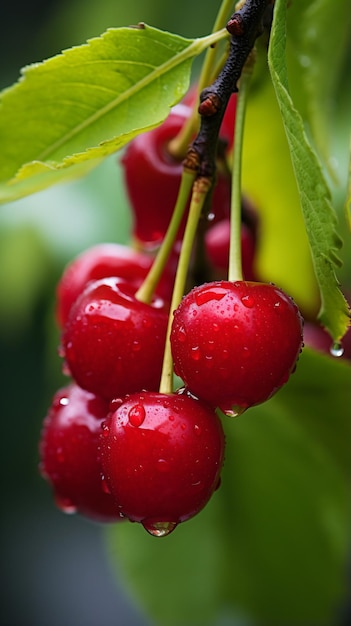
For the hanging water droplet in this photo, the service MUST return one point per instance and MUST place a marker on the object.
(65, 505)
(159, 529)
(336, 349)
(136, 415)
(234, 410)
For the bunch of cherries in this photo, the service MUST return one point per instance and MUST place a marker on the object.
(114, 444)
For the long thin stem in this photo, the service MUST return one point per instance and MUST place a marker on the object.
(200, 189)
(235, 261)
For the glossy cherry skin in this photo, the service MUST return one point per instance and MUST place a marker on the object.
(217, 242)
(162, 456)
(69, 457)
(152, 179)
(235, 344)
(101, 261)
(112, 343)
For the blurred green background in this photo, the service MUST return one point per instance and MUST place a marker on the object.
(54, 568)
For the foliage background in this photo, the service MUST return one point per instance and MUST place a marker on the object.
(55, 567)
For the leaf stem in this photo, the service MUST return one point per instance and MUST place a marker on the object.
(147, 289)
(235, 271)
(200, 189)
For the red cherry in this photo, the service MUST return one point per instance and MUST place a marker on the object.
(113, 344)
(217, 241)
(152, 179)
(235, 344)
(69, 458)
(102, 261)
(162, 456)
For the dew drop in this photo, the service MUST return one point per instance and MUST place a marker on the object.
(64, 401)
(181, 334)
(336, 349)
(195, 353)
(104, 486)
(158, 529)
(136, 346)
(136, 415)
(115, 404)
(60, 457)
(65, 505)
(197, 430)
(248, 301)
(105, 429)
(163, 466)
(206, 296)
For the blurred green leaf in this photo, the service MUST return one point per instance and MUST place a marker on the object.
(70, 111)
(315, 196)
(272, 542)
(319, 35)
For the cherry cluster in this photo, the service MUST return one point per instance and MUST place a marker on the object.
(114, 444)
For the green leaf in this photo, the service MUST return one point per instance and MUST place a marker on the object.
(315, 196)
(272, 543)
(69, 112)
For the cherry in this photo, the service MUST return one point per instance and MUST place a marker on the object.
(69, 458)
(113, 344)
(162, 455)
(217, 241)
(101, 261)
(235, 344)
(152, 178)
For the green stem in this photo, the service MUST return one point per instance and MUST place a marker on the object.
(179, 144)
(147, 289)
(235, 271)
(200, 190)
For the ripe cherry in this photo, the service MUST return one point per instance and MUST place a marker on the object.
(217, 241)
(101, 261)
(235, 344)
(69, 458)
(152, 178)
(113, 344)
(162, 456)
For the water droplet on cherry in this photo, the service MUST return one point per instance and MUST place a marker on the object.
(104, 486)
(159, 529)
(163, 466)
(248, 301)
(233, 410)
(206, 296)
(105, 429)
(136, 415)
(195, 353)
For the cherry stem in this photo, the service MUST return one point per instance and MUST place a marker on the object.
(147, 289)
(200, 189)
(178, 146)
(235, 271)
